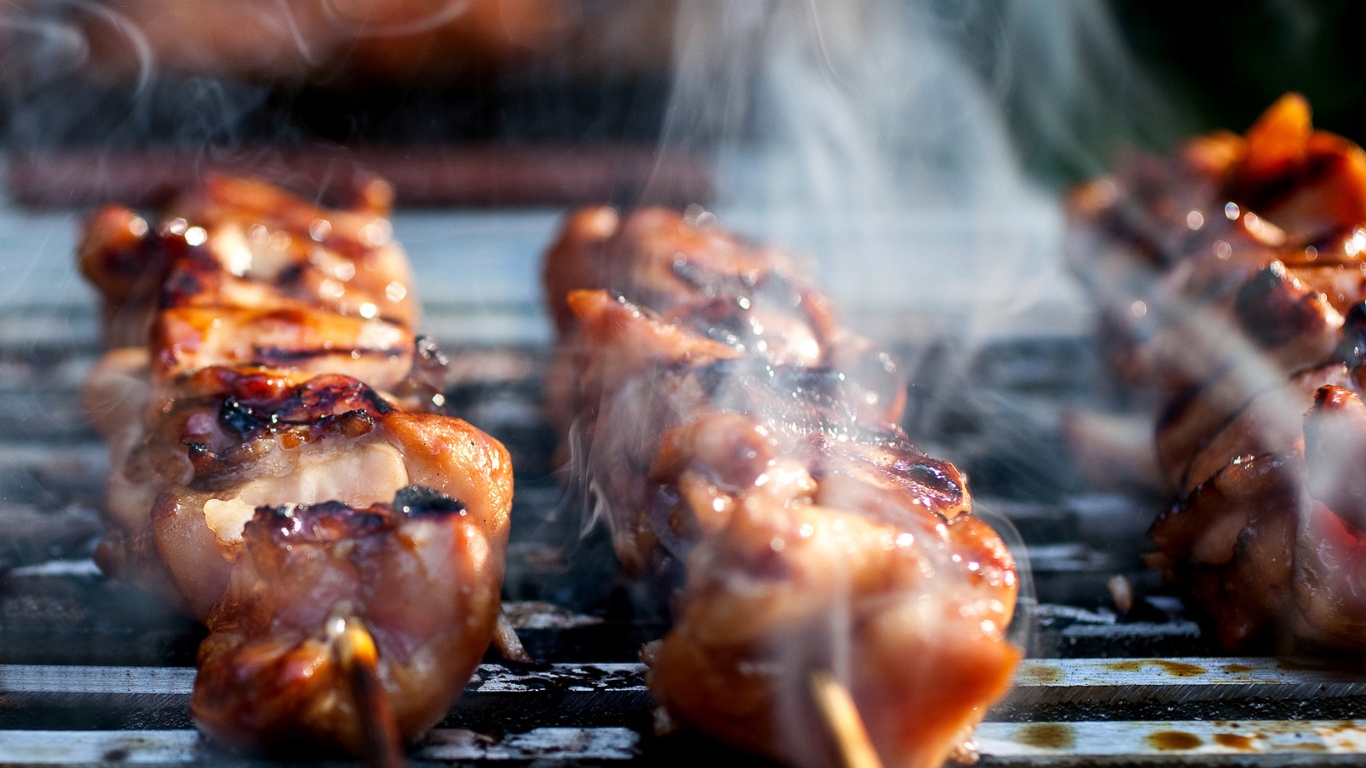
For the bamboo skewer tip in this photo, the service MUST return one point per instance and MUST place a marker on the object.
(359, 661)
(843, 722)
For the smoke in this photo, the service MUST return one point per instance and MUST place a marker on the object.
(34, 49)
(885, 140)
(913, 153)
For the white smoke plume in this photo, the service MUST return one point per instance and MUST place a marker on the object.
(881, 137)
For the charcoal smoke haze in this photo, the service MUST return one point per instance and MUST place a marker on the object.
(888, 142)
(875, 137)
(36, 49)
(879, 137)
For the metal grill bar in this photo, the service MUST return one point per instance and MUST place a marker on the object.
(1025, 744)
(186, 746)
(1059, 681)
(1077, 681)
(1046, 742)
(179, 681)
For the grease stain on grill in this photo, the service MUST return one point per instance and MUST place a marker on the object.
(1237, 669)
(1173, 668)
(1039, 674)
(1046, 735)
(1179, 668)
(1235, 741)
(1173, 741)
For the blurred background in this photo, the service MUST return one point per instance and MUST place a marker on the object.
(883, 135)
(1071, 84)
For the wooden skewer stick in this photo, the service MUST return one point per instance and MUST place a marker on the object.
(507, 643)
(360, 662)
(843, 722)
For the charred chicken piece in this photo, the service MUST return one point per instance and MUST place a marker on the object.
(237, 439)
(420, 577)
(766, 479)
(920, 645)
(342, 539)
(1245, 254)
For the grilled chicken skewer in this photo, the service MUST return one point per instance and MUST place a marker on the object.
(282, 471)
(741, 442)
(1245, 255)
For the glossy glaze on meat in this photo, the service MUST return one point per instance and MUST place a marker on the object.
(1234, 274)
(244, 243)
(740, 442)
(282, 471)
(418, 572)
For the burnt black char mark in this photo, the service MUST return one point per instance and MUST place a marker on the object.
(318, 402)
(256, 413)
(282, 357)
(327, 522)
(332, 521)
(192, 271)
(419, 500)
(143, 262)
(1351, 350)
(1260, 194)
(291, 275)
(1274, 309)
(770, 285)
(332, 393)
(240, 419)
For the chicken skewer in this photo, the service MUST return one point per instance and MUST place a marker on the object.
(281, 470)
(1245, 253)
(742, 445)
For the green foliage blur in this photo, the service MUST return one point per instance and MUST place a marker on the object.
(1221, 63)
